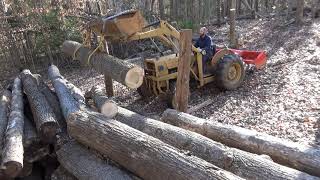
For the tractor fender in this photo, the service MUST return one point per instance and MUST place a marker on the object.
(220, 54)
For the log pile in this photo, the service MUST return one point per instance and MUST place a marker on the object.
(54, 133)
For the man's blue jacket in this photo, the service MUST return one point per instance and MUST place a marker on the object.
(205, 43)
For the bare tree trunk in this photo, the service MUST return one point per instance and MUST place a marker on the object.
(299, 13)
(12, 156)
(232, 19)
(89, 166)
(303, 158)
(161, 9)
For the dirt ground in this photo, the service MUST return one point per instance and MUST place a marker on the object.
(282, 100)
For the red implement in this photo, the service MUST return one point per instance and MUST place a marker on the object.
(257, 58)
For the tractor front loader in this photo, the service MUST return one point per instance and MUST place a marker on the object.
(226, 67)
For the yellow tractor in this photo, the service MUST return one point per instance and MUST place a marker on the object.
(226, 67)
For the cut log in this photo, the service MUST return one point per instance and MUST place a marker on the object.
(104, 104)
(67, 103)
(4, 112)
(52, 100)
(137, 151)
(131, 148)
(44, 117)
(83, 164)
(13, 149)
(77, 94)
(301, 157)
(230, 159)
(62, 174)
(119, 70)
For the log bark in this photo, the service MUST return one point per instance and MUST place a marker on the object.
(52, 100)
(36, 152)
(119, 70)
(13, 149)
(89, 166)
(77, 94)
(301, 157)
(30, 136)
(230, 159)
(104, 104)
(137, 151)
(131, 148)
(67, 102)
(44, 117)
(4, 112)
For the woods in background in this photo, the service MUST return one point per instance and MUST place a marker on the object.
(31, 31)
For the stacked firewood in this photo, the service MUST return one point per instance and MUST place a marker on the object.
(72, 137)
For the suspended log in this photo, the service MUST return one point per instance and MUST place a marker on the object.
(4, 111)
(44, 117)
(301, 157)
(119, 70)
(62, 174)
(230, 159)
(105, 105)
(131, 148)
(12, 156)
(89, 166)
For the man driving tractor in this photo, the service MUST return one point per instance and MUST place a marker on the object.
(204, 44)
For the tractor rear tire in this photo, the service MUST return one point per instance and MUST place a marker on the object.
(230, 72)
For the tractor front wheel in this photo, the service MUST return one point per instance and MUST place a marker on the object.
(230, 72)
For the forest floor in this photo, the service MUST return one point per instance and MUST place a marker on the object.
(282, 100)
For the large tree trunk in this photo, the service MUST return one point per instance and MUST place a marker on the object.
(304, 158)
(4, 111)
(230, 159)
(299, 12)
(104, 104)
(131, 148)
(12, 156)
(89, 166)
(119, 70)
(44, 117)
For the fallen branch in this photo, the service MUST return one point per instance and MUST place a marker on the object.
(303, 158)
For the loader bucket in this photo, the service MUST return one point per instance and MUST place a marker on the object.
(119, 26)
